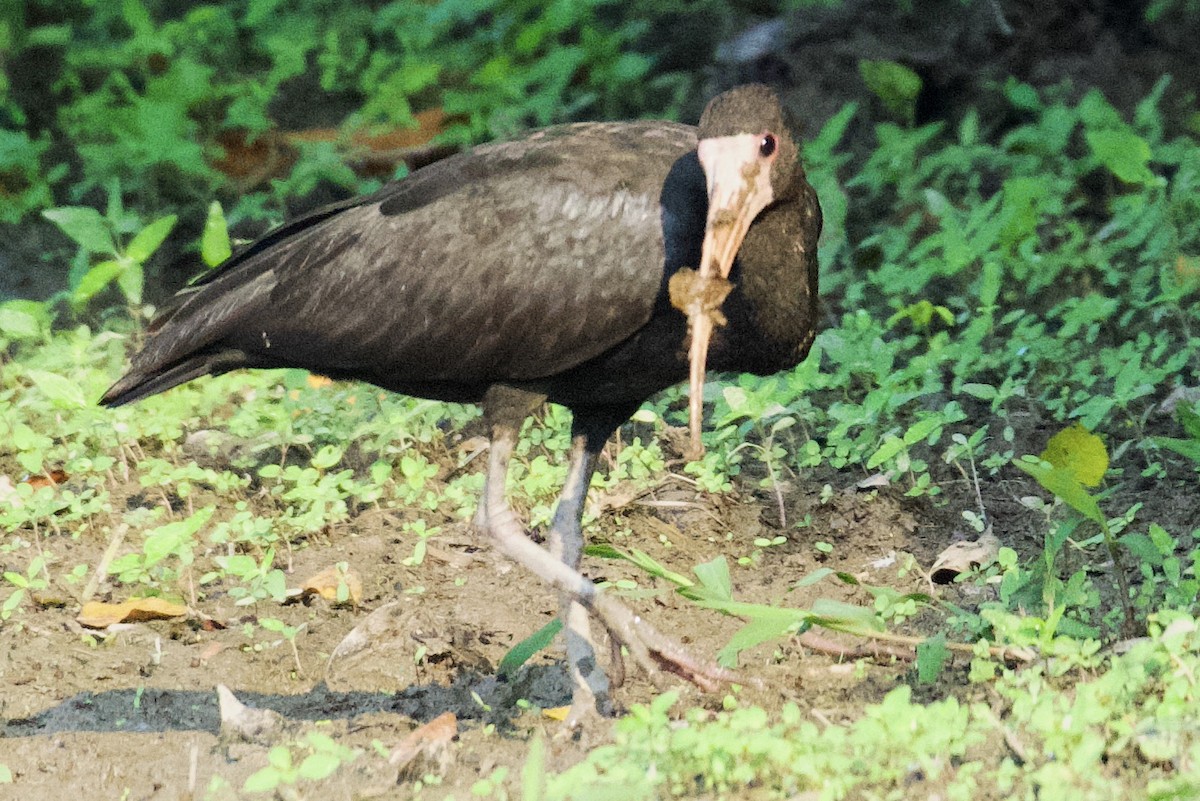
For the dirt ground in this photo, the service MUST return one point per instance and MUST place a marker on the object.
(135, 715)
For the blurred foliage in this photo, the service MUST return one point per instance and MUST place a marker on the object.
(145, 92)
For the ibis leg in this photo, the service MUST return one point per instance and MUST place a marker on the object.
(655, 652)
(566, 543)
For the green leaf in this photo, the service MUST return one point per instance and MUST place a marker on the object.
(1188, 448)
(319, 765)
(891, 446)
(95, 280)
(922, 429)
(839, 614)
(603, 550)
(931, 658)
(1123, 152)
(814, 577)
(644, 561)
(984, 392)
(326, 457)
(756, 632)
(280, 757)
(17, 324)
(85, 226)
(142, 246)
(60, 390)
(895, 84)
(214, 242)
(714, 578)
(1063, 484)
(172, 537)
(1185, 414)
(520, 653)
(264, 780)
(131, 281)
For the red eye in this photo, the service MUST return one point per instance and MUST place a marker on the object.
(767, 146)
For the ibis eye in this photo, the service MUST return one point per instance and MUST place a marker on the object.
(767, 146)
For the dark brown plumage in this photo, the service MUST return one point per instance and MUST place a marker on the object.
(527, 271)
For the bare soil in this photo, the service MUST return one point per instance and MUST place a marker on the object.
(134, 714)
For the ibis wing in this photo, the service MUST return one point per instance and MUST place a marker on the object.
(512, 262)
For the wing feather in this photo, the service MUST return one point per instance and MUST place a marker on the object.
(512, 262)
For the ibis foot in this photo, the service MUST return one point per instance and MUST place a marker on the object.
(656, 653)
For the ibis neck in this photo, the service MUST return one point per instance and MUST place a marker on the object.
(777, 280)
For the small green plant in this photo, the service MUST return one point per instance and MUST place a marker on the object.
(289, 633)
(101, 236)
(167, 553)
(36, 577)
(259, 579)
(424, 533)
(314, 757)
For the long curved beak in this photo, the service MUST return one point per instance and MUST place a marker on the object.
(739, 187)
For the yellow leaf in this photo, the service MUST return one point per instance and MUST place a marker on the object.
(97, 615)
(1080, 452)
(558, 713)
(317, 381)
(327, 582)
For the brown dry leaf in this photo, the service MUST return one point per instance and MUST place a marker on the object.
(398, 644)
(97, 615)
(51, 479)
(331, 581)
(427, 749)
(962, 556)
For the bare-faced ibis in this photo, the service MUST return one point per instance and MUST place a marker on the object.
(556, 267)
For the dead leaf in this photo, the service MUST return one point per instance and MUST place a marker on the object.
(963, 556)
(389, 648)
(51, 479)
(317, 381)
(620, 496)
(875, 481)
(1178, 395)
(98, 615)
(426, 749)
(335, 585)
(558, 713)
(8, 493)
(253, 725)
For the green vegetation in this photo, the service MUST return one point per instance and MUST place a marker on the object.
(1013, 283)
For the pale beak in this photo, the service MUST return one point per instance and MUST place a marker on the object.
(739, 187)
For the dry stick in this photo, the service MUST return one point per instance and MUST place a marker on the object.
(110, 553)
